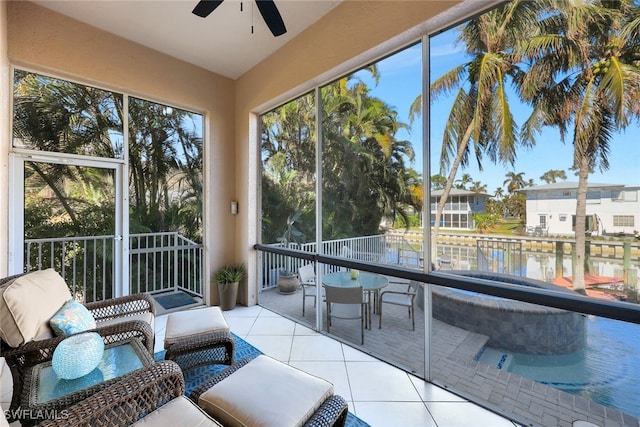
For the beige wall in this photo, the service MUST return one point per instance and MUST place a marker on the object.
(45, 41)
(361, 29)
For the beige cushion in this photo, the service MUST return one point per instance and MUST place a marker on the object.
(266, 393)
(192, 323)
(27, 303)
(178, 412)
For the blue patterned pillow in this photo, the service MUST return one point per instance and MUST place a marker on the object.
(72, 318)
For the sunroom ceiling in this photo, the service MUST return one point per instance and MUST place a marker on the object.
(222, 42)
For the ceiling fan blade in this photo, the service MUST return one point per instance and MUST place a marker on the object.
(271, 16)
(205, 7)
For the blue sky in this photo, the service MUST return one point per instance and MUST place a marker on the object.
(401, 82)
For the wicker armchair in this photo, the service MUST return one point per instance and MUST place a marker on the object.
(116, 321)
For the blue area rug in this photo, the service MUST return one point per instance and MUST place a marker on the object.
(175, 300)
(197, 376)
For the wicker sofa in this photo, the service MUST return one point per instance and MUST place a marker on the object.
(154, 396)
(29, 300)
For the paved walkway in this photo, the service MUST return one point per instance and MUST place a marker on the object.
(454, 366)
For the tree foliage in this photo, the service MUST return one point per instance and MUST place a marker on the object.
(164, 157)
(365, 168)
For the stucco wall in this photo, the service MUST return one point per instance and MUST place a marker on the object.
(45, 41)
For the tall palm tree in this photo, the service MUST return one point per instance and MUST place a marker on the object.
(584, 79)
(481, 114)
(514, 181)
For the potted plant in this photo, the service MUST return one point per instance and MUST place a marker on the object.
(288, 281)
(228, 278)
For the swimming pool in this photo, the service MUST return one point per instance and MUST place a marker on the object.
(606, 371)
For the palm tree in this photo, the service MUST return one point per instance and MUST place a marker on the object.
(584, 79)
(553, 175)
(481, 114)
(499, 193)
(478, 187)
(359, 138)
(514, 181)
(438, 182)
(463, 181)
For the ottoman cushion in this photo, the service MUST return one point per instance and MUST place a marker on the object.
(178, 412)
(191, 323)
(266, 393)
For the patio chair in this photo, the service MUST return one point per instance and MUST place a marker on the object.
(28, 301)
(347, 296)
(404, 298)
(307, 277)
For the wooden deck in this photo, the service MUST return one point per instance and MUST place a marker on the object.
(591, 282)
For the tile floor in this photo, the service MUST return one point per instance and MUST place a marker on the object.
(378, 393)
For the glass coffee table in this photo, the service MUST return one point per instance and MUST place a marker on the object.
(45, 394)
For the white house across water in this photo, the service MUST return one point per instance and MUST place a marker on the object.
(612, 209)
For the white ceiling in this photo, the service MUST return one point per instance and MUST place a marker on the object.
(222, 42)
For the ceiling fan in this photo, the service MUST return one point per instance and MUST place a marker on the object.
(267, 9)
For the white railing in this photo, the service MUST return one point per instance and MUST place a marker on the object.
(160, 262)
(157, 262)
(379, 249)
(86, 263)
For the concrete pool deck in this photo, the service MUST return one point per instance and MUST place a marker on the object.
(454, 366)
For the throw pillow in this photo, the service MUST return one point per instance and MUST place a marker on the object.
(72, 318)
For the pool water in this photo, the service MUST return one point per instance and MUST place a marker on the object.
(607, 371)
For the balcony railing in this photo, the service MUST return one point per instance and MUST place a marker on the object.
(380, 249)
(158, 262)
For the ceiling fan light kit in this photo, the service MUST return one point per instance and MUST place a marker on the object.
(267, 8)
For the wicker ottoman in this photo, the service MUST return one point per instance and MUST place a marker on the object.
(268, 393)
(195, 338)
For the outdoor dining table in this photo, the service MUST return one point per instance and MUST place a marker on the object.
(370, 282)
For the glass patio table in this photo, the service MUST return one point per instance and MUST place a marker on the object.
(45, 393)
(370, 282)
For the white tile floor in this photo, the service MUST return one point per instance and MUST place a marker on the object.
(378, 393)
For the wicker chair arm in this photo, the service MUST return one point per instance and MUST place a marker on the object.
(126, 401)
(122, 306)
(333, 412)
(38, 351)
(214, 348)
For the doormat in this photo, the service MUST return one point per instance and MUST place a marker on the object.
(175, 300)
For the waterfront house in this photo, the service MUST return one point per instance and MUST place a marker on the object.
(612, 209)
(459, 209)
